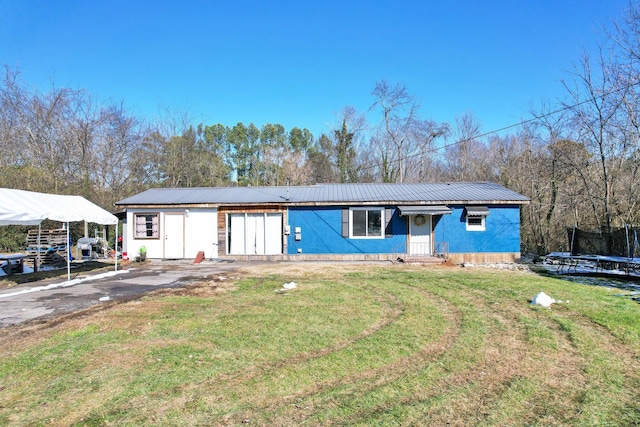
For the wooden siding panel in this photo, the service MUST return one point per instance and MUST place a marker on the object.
(484, 258)
(222, 234)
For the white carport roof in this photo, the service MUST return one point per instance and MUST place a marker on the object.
(19, 207)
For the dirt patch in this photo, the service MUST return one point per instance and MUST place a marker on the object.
(448, 263)
(328, 269)
(208, 288)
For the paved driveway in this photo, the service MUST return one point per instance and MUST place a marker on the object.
(44, 299)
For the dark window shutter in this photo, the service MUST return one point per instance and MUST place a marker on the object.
(345, 222)
(388, 213)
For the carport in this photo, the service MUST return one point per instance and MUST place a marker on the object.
(20, 207)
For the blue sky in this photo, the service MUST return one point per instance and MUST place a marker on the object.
(300, 63)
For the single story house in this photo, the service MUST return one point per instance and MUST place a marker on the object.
(466, 222)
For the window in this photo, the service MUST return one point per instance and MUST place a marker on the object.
(147, 226)
(475, 217)
(475, 223)
(366, 223)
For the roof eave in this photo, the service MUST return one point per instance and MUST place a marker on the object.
(328, 203)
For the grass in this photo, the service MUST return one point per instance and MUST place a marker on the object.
(353, 344)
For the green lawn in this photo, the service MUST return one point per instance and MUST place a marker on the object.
(353, 344)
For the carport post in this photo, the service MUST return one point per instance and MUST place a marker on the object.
(38, 247)
(115, 251)
(68, 255)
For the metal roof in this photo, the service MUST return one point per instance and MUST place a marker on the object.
(331, 194)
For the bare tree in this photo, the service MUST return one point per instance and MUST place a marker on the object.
(402, 140)
(468, 158)
(117, 149)
(595, 111)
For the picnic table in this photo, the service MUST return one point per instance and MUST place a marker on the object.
(19, 265)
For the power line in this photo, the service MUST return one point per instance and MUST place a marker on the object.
(519, 124)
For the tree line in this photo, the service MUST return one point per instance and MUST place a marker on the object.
(577, 159)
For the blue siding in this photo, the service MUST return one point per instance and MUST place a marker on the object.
(502, 231)
(321, 232)
(321, 229)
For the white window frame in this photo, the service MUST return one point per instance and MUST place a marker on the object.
(155, 232)
(367, 208)
(476, 227)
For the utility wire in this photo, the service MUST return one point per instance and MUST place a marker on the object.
(521, 123)
(482, 135)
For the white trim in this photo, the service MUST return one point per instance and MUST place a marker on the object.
(367, 208)
(144, 229)
(476, 227)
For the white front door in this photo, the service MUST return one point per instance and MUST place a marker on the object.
(420, 235)
(173, 236)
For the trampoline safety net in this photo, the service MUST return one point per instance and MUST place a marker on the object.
(619, 242)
